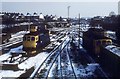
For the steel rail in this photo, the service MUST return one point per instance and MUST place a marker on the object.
(55, 60)
(68, 52)
(38, 68)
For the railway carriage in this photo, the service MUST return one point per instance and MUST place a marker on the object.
(118, 35)
(110, 60)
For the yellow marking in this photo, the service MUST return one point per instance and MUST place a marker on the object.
(29, 44)
(33, 28)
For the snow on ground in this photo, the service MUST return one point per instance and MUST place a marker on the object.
(52, 39)
(18, 35)
(51, 74)
(7, 55)
(85, 71)
(33, 61)
(10, 73)
(17, 49)
(111, 34)
(4, 56)
(92, 67)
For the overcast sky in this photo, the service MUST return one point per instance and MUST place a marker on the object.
(86, 9)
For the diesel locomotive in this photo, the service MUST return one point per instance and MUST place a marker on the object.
(37, 39)
(118, 35)
(94, 38)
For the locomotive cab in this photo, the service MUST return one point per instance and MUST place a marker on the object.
(30, 41)
(33, 28)
(37, 38)
(99, 42)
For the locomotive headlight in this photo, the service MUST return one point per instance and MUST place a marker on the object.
(41, 41)
(35, 43)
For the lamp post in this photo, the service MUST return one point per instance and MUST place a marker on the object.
(79, 29)
(68, 12)
(28, 14)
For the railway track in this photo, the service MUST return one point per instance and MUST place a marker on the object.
(83, 61)
(16, 58)
(67, 69)
(49, 61)
(45, 69)
(10, 44)
(59, 62)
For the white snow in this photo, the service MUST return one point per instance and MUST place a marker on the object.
(7, 55)
(41, 16)
(92, 67)
(34, 61)
(51, 74)
(10, 73)
(19, 33)
(85, 71)
(17, 49)
(4, 56)
(114, 49)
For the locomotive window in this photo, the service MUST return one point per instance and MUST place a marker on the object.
(104, 42)
(32, 38)
(98, 43)
(36, 38)
(31, 27)
(24, 38)
(28, 38)
(109, 42)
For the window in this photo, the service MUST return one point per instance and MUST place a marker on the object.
(109, 42)
(36, 39)
(32, 38)
(104, 42)
(24, 39)
(98, 43)
(28, 38)
(34, 27)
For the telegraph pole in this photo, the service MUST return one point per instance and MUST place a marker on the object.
(29, 15)
(79, 28)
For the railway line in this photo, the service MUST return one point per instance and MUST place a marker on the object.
(51, 58)
(62, 61)
(14, 57)
(62, 64)
(67, 64)
(6, 45)
(83, 60)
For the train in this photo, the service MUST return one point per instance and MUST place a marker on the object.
(37, 39)
(118, 35)
(103, 50)
(110, 60)
(94, 38)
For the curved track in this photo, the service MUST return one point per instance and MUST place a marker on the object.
(50, 59)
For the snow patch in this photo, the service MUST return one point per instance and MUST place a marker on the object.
(114, 49)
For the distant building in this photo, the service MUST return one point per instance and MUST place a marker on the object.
(41, 16)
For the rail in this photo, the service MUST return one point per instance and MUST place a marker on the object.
(55, 60)
(38, 68)
(68, 52)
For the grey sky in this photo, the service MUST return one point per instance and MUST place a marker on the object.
(86, 9)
